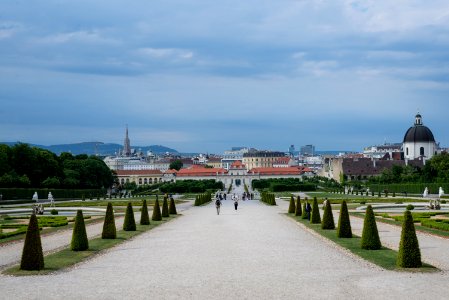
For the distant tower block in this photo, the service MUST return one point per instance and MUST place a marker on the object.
(127, 144)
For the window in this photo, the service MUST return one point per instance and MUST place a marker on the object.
(140, 181)
(145, 181)
(421, 151)
(406, 151)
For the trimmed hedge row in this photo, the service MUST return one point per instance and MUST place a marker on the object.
(283, 185)
(15, 193)
(268, 198)
(202, 199)
(413, 188)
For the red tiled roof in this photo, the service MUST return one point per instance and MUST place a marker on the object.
(200, 171)
(138, 172)
(237, 165)
(282, 161)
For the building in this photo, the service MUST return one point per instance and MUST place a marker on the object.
(307, 150)
(214, 162)
(379, 151)
(284, 162)
(291, 150)
(260, 159)
(139, 177)
(419, 141)
(126, 144)
(230, 156)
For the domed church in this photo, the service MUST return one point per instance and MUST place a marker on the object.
(419, 141)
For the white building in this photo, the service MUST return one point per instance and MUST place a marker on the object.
(419, 141)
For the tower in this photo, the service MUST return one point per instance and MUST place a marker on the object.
(419, 141)
(127, 144)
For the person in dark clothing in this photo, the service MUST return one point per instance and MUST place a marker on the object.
(308, 210)
(224, 196)
(236, 203)
(218, 205)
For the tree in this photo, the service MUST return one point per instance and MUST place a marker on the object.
(176, 165)
(144, 217)
(32, 255)
(328, 217)
(172, 207)
(344, 223)
(79, 236)
(129, 224)
(157, 211)
(291, 207)
(109, 229)
(165, 213)
(409, 255)
(370, 236)
(298, 211)
(315, 218)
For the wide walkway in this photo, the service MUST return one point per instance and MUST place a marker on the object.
(255, 252)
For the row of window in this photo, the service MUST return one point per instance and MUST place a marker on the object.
(421, 151)
(144, 181)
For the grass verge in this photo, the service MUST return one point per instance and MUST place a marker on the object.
(67, 258)
(384, 258)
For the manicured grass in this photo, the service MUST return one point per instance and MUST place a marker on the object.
(360, 198)
(384, 258)
(67, 258)
(115, 203)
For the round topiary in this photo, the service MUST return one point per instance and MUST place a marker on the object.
(156, 211)
(129, 224)
(291, 207)
(79, 236)
(109, 229)
(298, 211)
(32, 256)
(328, 217)
(409, 255)
(410, 207)
(165, 213)
(370, 236)
(344, 223)
(315, 218)
(172, 207)
(144, 216)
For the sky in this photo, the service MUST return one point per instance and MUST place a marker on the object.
(204, 76)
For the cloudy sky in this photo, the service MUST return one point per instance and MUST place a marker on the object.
(208, 75)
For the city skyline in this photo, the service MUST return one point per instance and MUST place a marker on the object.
(203, 77)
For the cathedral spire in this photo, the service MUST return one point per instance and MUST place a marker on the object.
(127, 144)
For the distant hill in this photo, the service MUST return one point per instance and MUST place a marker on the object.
(100, 148)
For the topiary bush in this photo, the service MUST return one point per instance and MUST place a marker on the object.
(298, 211)
(315, 218)
(344, 224)
(129, 224)
(172, 207)
(410, 207)
(328, 217)
(79, 236)
(291, 207)
(109, 229)
(32, 255)
(144, 216)
(370, 236)
(156, 211)
(304, 213)
(409, 255)
(165, 213)
(54, 212)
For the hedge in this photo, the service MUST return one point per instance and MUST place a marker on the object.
(411, 188)
(16, 193)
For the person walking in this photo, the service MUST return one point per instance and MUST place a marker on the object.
(308, 210)
(218, 205)
(236, 202)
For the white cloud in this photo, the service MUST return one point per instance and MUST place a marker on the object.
(165, 53)
(82, 36)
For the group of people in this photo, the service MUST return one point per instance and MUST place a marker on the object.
(219, 198)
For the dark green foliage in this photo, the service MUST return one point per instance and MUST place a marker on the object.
(190, 186)
(328, 217)
(304, 213)
(298, 211)
(32, 256)
(292, 206)
(410, 207)
(409, 255)
(109, 229)
(129, 224)
(268, 198)
(202, 198)
(156, 211)
(54, 212)
(283, 185)
(144, 217)
(172, 207)
(79, 236)
(165, 213)
(370, 235)
(344, 223)
(315, 217)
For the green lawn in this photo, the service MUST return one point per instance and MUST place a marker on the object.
(385, 258)
(67, 258)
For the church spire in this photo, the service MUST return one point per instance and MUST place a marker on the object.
(418, 119)
(127, 144)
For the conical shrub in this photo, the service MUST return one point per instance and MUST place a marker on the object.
(298, 211)
(344, 224)
(79, 236)
(129, 224)
(109, 229)
(328, 217)
(409, 255)
(370, 235)
(172, 207)
(165, 213)
(304, 213)
(292, 206)
(156, 211)
(315, 218)
(32, 256)
(144, 216)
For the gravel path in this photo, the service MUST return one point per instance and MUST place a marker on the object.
(10, 253)
(253, 253)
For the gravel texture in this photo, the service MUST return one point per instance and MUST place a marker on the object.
(255, 252)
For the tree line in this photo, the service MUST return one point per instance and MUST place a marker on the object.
(22, 166)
